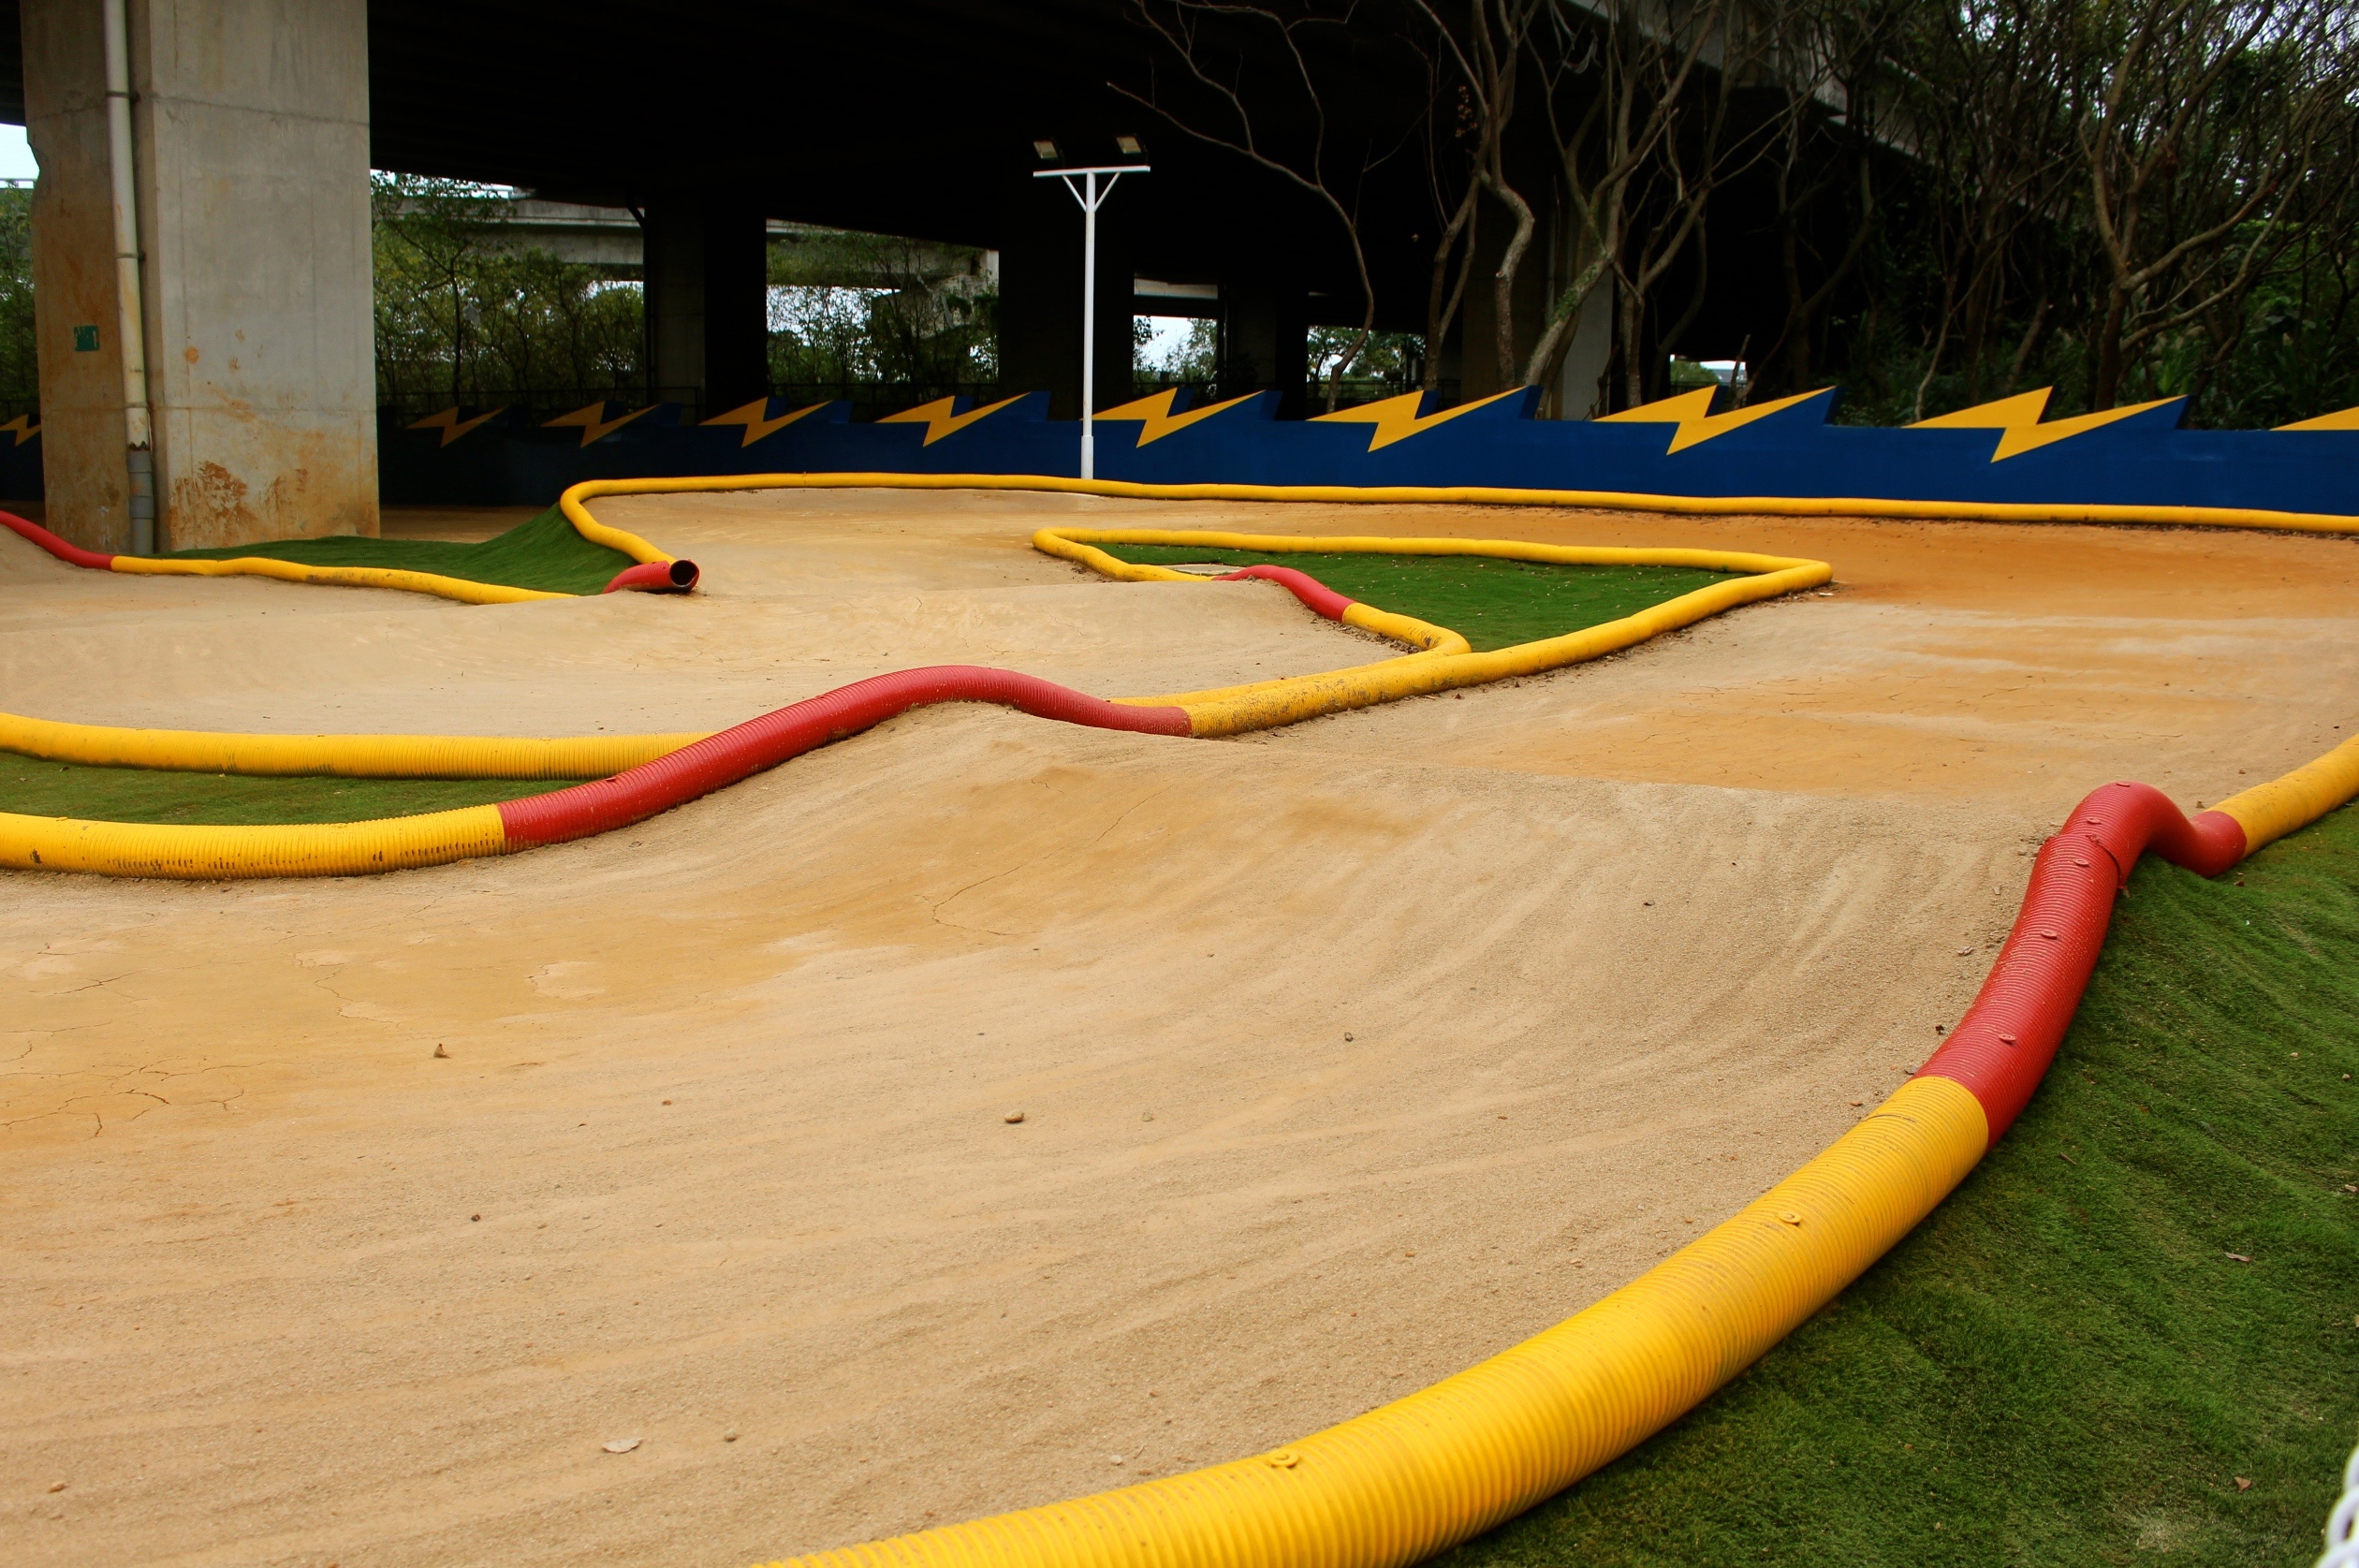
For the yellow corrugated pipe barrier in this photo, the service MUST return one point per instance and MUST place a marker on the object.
(388, 843)
(1425, 1472)
(1496, 495)
(351, 756)
(2268, 812)
(1415, 1476)
(1445, 661)
(622, 539)
(461, 589)
(464, 590)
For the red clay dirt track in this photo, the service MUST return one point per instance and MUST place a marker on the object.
(1616, 948)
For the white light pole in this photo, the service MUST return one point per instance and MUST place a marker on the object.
(1091, 196)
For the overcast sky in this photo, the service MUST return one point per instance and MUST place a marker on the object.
(16, 158)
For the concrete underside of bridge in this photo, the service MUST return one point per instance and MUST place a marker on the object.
(256, 121)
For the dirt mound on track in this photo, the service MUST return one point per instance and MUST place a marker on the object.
(1346, 1055)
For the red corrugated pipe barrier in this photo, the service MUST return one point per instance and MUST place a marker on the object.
(1302, 585)
(734, 754)
(55, 546)
(2002, 1047)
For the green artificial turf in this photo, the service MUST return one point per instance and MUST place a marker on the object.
(1493, 604)
(2063, 1365)
(545, 553)
(35, 789)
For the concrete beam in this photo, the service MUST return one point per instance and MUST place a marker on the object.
(251, 146)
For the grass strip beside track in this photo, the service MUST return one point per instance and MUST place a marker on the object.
(36, 788)
(2063, 1364)
(1492, 603)
(546, 553)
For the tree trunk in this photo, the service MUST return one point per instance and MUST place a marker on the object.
(1797, 311)
(1634, 315)
(1503, 281)
(2031, 341)
(2104, 385)
(1553, 341)
(1456, 244)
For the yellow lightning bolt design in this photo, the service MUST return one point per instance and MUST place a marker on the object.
(756, 426)
(593, 427)
(1397, 419)
(1156, 419)
(22, 428)
(1692, 413)
(2347, 418)
(939, 419)
(2017, 420)
(448, 421)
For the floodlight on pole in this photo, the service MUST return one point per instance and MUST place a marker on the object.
(1091, 196)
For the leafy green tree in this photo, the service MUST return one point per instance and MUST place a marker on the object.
(464, 315)
(1193, 362)
(1366, 365)
(20, 372)
(849, 309)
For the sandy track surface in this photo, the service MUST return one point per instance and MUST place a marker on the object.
(1347, 1054)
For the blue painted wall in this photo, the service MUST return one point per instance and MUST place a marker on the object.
(2142, 460)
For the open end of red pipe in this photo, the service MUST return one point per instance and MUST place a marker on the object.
(655, 577)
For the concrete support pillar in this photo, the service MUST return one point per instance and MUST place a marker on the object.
(1040, 296)
(674, 296)
(1264, 328)
(251, 147)
(1581, 389)
(707, 304)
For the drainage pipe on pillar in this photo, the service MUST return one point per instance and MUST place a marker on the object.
(131, 321)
